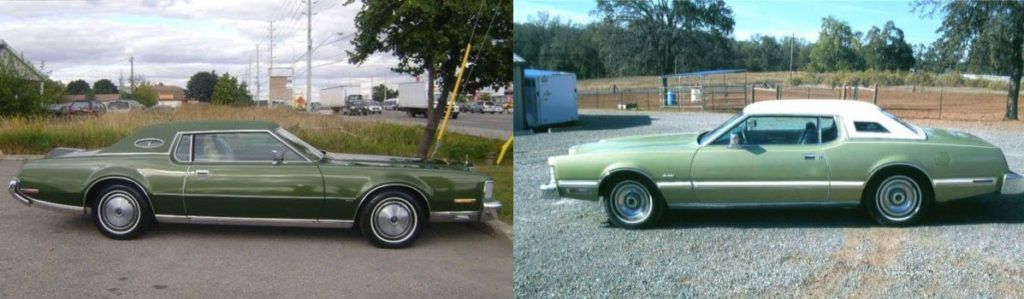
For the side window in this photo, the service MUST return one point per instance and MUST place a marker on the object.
(775, 130)
(183, 152)
(829, 130)
(239, 147)
(869, 127)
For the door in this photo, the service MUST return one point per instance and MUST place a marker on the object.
(233, 174)
(778, 159)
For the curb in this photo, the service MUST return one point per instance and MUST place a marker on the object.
(497, 228)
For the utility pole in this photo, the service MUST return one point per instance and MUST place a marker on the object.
(131, 76)
(257, 74)
(271, 61)
(309, 51)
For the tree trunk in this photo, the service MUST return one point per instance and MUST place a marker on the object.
(1018, 66)
(428, 135)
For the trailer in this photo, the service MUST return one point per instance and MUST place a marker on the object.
(344, 99)
(412, 98)
(549, 98)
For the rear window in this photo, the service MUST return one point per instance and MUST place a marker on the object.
(869, 127)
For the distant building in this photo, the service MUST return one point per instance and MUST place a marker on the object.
(169, 95)
(99, 97)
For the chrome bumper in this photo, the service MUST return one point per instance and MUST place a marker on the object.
(1012, 184)
(491, 210)
(15, 191)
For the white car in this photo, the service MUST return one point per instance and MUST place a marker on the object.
(375, 108)
(489, 107)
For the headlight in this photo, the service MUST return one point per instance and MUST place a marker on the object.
(488, 189)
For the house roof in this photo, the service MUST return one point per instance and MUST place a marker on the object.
(4, 47)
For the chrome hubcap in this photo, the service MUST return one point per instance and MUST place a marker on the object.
(631, 202)
(898, 198)
(119, 211)
(394, 218)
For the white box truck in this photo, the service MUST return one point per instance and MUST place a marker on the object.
(345, 99)
(549, 98)
(412, 98)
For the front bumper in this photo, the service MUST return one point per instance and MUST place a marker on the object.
(490, 211)
(1013, 183)
(14, 188)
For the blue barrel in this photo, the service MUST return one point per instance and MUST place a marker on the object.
(670, 99)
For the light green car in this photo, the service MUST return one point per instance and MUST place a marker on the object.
(786, 153)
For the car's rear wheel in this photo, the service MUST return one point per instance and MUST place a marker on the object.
(631, 204)
(898, 199)
(121, 212)
(392, 219)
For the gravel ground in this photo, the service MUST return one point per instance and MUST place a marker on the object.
(563, 248)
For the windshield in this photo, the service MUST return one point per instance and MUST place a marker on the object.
(303, 146)
(723, 126)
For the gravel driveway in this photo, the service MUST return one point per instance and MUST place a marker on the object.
(563, 248)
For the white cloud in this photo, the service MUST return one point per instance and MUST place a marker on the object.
(171, 40)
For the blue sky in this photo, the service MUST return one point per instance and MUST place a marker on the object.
(777, 18)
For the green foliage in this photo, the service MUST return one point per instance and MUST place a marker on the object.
(78, 87)
(885, 49)
(227, 91)
(382, 92)
(104, 86)
(145, 94)
(200, 86)
(21, 97)
(836, 49)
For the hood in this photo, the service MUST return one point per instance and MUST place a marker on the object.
(659, 142)
(393, 161)
(944, 136)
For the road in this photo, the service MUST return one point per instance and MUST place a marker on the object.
(498, 126)
(965, 248)
(45, 254)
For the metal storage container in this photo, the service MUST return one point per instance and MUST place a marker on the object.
(549, 97)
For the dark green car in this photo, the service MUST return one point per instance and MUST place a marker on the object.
(250, 173)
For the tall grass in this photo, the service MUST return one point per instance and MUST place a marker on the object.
(37, 135)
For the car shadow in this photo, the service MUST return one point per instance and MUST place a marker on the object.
(986, 209)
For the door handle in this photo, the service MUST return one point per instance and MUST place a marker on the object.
(811, 156)
(202, 172)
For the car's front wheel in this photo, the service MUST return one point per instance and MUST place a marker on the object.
(121, 212)
(392, 219)
(898, 200)
(631, 204)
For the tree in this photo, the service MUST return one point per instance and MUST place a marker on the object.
(229, 92)
(836, 49)
(382, 92)
(21, 96)
(430, 37)
(990, 34)
(145, 94)
(200, 86)
(649, 34)
(104, 86)
(885, 49)
(78, 87)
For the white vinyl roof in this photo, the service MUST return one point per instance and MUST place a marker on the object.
(850, 111)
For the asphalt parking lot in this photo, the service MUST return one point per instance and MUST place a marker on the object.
(45, 254)
(968, 248)
(498, 126)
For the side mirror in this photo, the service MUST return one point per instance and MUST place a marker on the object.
(734, 140)
(278, 157)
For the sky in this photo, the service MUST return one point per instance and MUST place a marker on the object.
(171, 40)
(775, 18)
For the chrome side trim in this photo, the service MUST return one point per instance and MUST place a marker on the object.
(467, 216)
(1013, 183)
(57, 207)
(277, 222)
(577, 184)
(675, 184)
(760, 184)
(964, 182)
(12, 188)
(846, 184)
(727, 205)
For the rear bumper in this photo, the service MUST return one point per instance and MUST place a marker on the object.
(1013, 183)
(14, 188)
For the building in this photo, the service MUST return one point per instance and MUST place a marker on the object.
(169, 95)
(99, 97)
(9, 58)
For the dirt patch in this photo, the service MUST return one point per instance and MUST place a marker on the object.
(865, 253)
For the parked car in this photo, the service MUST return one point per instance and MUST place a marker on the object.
(786, 153)
(390, 105)
(124, 106)
(490, 107)
(251, 173)
(84, 107)
(57, 109)
(374, 107)
(354, 105)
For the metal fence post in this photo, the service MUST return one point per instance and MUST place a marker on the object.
(940, 101)
(647, 95)
(874, 98)
(753, 94)
(808, 92)
(778, 91)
